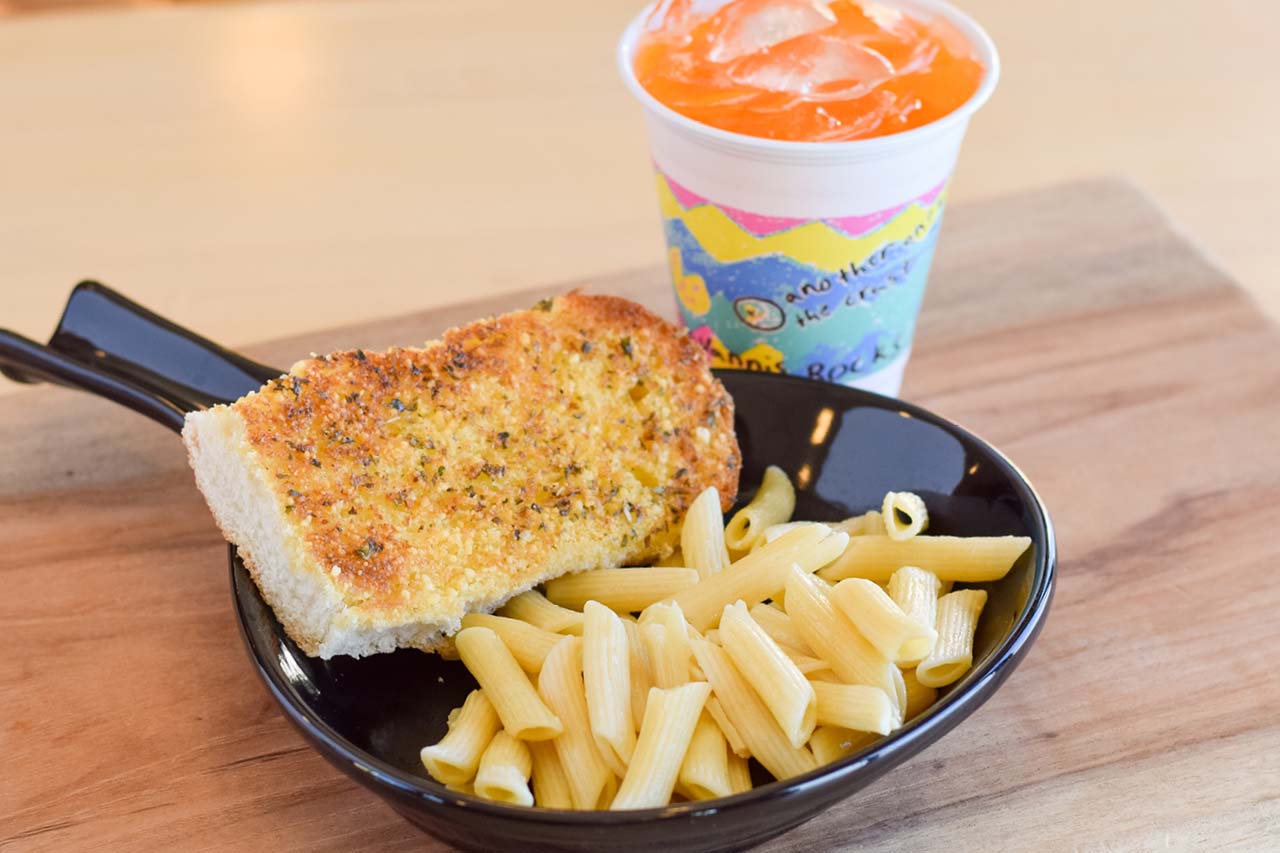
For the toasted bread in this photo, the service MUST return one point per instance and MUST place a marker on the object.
(376, 498)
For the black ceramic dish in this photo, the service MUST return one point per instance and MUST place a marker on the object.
(844, 448)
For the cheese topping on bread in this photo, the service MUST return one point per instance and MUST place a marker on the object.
(376, 498)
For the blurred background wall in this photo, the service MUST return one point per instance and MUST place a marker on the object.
(417, 151)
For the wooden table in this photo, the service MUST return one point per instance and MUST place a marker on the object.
(1129, 378)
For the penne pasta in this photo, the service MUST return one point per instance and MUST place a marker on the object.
(704, 774)
(522, 712)
(952, 655)
(736, 744)
(834, 638)
(761, 574)
(855, 706)
(895, 634)
(751, 717)
(739, 773)
(970, 559)
(534, 608)
(916, 592)
(904, 515)
(777, 681)
(641, 672)
(527, 643)
(773, 503)
(823, 675)
(454, 759)
(503, 775)
(777, 624)
(773, 531)
(831, 743)
(919, 697)
(623, 590)
(666, 636)
(657, 685)
(702, 535)
(669, 720)
(550, 781)
(560, 686)
(868, 524)
(807, 664)
(606, 674)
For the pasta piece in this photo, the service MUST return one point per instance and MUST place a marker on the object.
(739, 773)
(919, 697)
(857, 707)
(533, 607)
(702, 535)
(777, 624)
(773, 531)
(454, 759)
(750, 716)
(969, 559)
(669, 720)
(952, 655)
(666, 636)
(606, 673)
(776, 680)
(824, 675)
(550, 781)
(834, 639)
(463, 788)
(623, 590)
(832, 743)
(868, 524)
(904, 514)
(773, 503)
(560, 686)
(877, 617)
(807, 664)
(504, 770)
(529, 644)
(704, 775)
(916, 592)
(736, 744)
(610, 791)
(761, 574)
(641, 673)
(523, 714)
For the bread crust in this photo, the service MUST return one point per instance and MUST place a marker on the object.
(412, 486)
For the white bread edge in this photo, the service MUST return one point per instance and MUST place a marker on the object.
(300, 593)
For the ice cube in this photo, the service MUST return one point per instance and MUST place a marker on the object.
(817, 67)
(751, 26)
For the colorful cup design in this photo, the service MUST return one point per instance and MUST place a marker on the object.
(832, 299)
(807, 258)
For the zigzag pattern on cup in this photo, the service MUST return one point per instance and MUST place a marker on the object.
(814, 243)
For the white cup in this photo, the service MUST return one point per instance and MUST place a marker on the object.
(806, 257)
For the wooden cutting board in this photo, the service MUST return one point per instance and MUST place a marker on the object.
(1072, 327)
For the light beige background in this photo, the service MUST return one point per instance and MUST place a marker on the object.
(257, 169)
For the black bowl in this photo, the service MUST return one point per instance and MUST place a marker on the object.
(844, 449)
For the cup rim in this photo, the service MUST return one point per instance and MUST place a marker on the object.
(872, 146)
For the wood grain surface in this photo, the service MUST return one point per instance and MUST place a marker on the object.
(1131, 380)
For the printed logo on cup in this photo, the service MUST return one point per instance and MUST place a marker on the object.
(832, 299)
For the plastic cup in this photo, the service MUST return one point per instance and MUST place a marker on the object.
(807, 258)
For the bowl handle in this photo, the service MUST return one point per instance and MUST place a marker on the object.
(111, 346)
